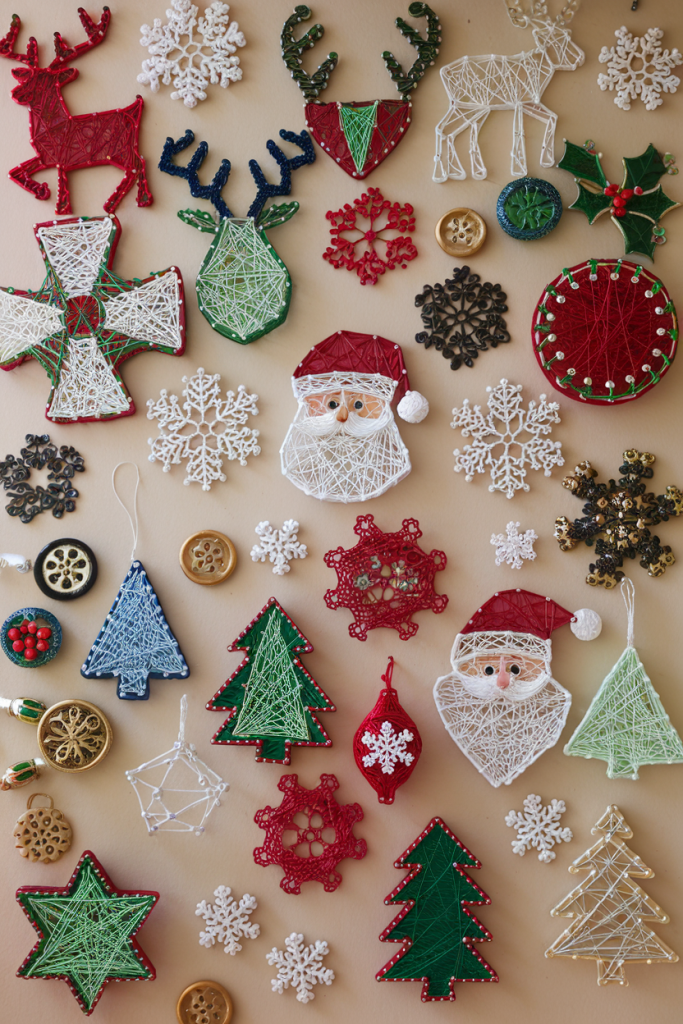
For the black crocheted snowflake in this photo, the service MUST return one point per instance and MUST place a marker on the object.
(462, 317)
(59, 495)
(617, 517)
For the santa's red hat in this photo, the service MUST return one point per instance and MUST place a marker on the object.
(520, 611)
(364, 362)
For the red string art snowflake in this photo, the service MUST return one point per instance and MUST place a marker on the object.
(309, 834)
(369, 265)
(385, 578)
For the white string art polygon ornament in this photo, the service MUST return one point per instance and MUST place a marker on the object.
(177, 790)
(611, 912)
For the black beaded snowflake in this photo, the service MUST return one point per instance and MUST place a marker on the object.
(617, 517)
(462, 317)
(59, 495)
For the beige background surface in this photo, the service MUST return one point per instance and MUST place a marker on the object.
(454, 515)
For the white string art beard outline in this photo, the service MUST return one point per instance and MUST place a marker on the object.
(181, 758)
(502, 731)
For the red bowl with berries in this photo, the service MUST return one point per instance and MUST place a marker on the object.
(31, 637)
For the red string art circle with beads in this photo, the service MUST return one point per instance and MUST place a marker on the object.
(605, 331)
(387, 744)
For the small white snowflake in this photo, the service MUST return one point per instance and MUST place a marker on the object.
(649, 79)
(515, 546)
(216, 432)
(539, 826)
(169, 56)
(227, 921)
(500, 449)
(300, 966)
(388, 747)
(280, 546)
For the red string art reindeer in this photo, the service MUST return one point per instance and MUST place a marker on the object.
(66, 141)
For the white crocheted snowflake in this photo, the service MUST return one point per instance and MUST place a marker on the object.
(649, 78)
(300, 966)
(513, 546)
(205, 429)
(499, 448)
(279, 546)
(388, 747)
(175, 51)
(227, 921)
(539, 827)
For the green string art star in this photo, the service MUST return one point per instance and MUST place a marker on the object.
(636, 206)
(86, 932)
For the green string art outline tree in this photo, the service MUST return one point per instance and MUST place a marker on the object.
(626, 724)
(610, 911)
(272, 699)
(436, 926)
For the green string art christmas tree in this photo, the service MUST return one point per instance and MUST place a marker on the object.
(271, 696)
(626, 724)
(436, 926)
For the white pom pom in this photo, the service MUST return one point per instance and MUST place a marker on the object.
(586, 624)
(413, 407)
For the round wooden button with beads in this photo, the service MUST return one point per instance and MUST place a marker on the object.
(204, 1002)
(42, 834)
(208, 557)
(65, 569)
(31, 637)
(74, 736)
(461, 232)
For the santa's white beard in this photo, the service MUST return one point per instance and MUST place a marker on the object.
(351, 461)
(501, 734)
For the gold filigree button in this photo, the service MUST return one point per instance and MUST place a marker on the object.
(74, 735)
(42, 834)
(461, 232)
(208, 557)
(204, 1002)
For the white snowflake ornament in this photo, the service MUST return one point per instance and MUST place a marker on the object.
(205, 429)
(300, 966)
(512, 546)
(387, 747)
(279, 546)
(637, 66)
(539, 827)
(502, 449)
(174, 51)
(227, 921)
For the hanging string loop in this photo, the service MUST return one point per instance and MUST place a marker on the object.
(133, 519)
(628, 592)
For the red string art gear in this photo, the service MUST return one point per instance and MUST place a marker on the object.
(387, 744)
(309, 834)
(605, 331)
(382, 216)
(385, 579)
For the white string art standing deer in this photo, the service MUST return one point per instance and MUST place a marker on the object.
(478, 85)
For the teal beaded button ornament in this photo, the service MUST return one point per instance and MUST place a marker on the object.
(31, 637)
(529, 208)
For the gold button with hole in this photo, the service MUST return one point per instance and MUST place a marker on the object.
(461, 232)
(208, 557)
(204, 1001)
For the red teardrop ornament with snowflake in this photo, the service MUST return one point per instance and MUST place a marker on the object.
(387, 744)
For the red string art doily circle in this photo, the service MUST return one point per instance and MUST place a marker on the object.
(605, 331)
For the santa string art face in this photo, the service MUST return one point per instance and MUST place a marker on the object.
(344, 444)
(500, 703)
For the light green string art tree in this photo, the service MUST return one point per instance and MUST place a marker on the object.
(626, 724)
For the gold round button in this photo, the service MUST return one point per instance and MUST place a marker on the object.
(74, 735)
(204, 1002)
(208, 557)
(461, 232)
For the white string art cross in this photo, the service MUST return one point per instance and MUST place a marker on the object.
(181, 777)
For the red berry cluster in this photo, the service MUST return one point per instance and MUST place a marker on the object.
(29, 639)
(620, 198)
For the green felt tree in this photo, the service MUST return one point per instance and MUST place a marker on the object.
(636, 206)
(437, 928)
(271, 696)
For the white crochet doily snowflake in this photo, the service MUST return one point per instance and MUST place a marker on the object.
(649, 79)
(279, 546)
(300, 966)
(387, 747)
(205, 429)
(227, 921)
(512, 546)
(539, 827)
(501, 449)
(174, 51)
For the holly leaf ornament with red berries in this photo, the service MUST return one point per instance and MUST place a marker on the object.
(636, 206)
